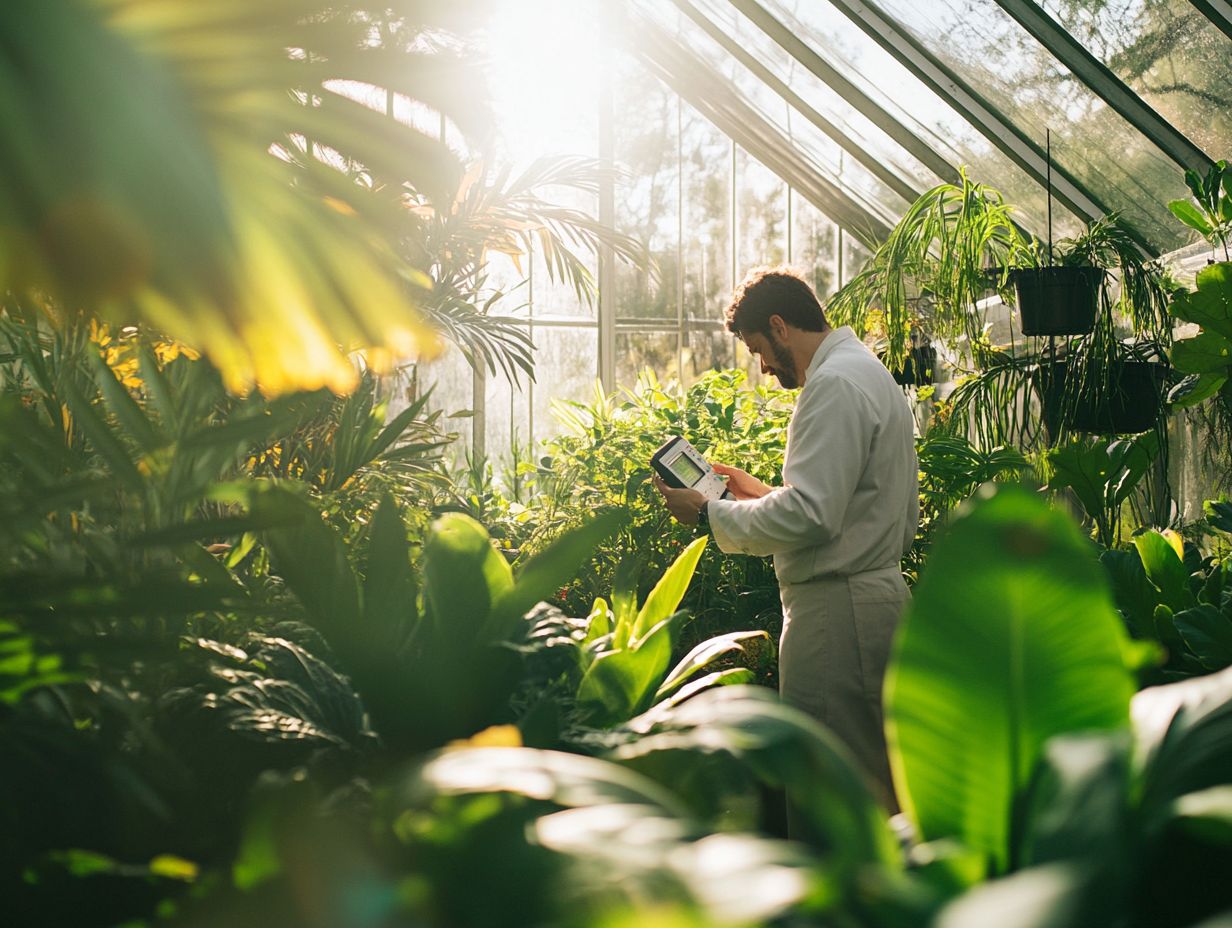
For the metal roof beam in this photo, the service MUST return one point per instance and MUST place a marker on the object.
(1105, 84)
(1217, 11)
(720, 102)
(812, 62)
(874, 165)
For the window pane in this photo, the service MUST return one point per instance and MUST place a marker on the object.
(707, 169)
(658, 351)
(453, 385)
(985, 47)
(566, 365)
(708, 350)
(892, 87)
(1169, 53)
(648, 193)
(506, 415)
(814, 246)
(761, 215)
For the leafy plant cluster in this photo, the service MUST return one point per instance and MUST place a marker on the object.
(603, 459)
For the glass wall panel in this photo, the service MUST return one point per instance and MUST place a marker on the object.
(761, 215)
(1169, 53)
(660, 351)
(648, 192)
(706, 248)
(506, 416)
(566, 367)
(814, 246)
(985, 47)
(508, 280)
(452, 382)
(707, 349)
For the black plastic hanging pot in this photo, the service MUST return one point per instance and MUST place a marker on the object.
(1057, 300)
(1130, 402)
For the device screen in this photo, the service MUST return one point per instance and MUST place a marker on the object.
(686, 469)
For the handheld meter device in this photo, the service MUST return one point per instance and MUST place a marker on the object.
(682, 465)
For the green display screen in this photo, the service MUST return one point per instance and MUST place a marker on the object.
(686, 469)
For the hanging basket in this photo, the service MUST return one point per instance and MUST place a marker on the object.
(1057, 300)
(1132, 403)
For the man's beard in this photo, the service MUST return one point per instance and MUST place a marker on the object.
(784, 366)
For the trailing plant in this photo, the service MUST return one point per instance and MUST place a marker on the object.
(931, 271)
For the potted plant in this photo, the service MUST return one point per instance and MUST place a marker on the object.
(929, 275)
(1057, 299)
(1100, 383)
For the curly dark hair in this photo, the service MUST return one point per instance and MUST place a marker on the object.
(774, 291)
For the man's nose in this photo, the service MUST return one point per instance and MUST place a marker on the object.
(764, 368)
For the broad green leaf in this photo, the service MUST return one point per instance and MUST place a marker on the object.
(1164, 568)
(1049, 896)
(620, 683)
(221, 527)
(1135, 595)
(752, 732)
(1210, 306)
(598, 622)
(1011, 638)
(127, 411)
(1184, 735)
(1076, 805)
(549, 570)
(733, 676)
(1207, 632)
(389, 582)
(312, 559)
(1195, 389)
(1084, 468)
(568, 780)
(1205, 353)
(665, 598)
(464, 576)
(1190, 215)
(1208, 813)
(1219, 513)
(706, 654)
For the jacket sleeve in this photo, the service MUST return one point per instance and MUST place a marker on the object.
(828, 448)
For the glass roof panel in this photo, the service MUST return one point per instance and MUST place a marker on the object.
(846, 48)
(825, 155)
(1170, 54)
(825, 101)
(989, 51)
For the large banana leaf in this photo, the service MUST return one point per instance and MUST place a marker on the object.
(1011, 638)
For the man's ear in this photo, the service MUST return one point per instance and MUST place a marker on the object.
(778, 326)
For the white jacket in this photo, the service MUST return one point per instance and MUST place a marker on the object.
(850, 500)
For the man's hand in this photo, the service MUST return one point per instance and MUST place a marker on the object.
(740, 484)
(683, 504)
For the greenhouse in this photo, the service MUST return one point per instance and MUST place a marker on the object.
(616, 463)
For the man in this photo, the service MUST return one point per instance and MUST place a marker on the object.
(839, 525)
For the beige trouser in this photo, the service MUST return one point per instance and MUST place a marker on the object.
(832, 659)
